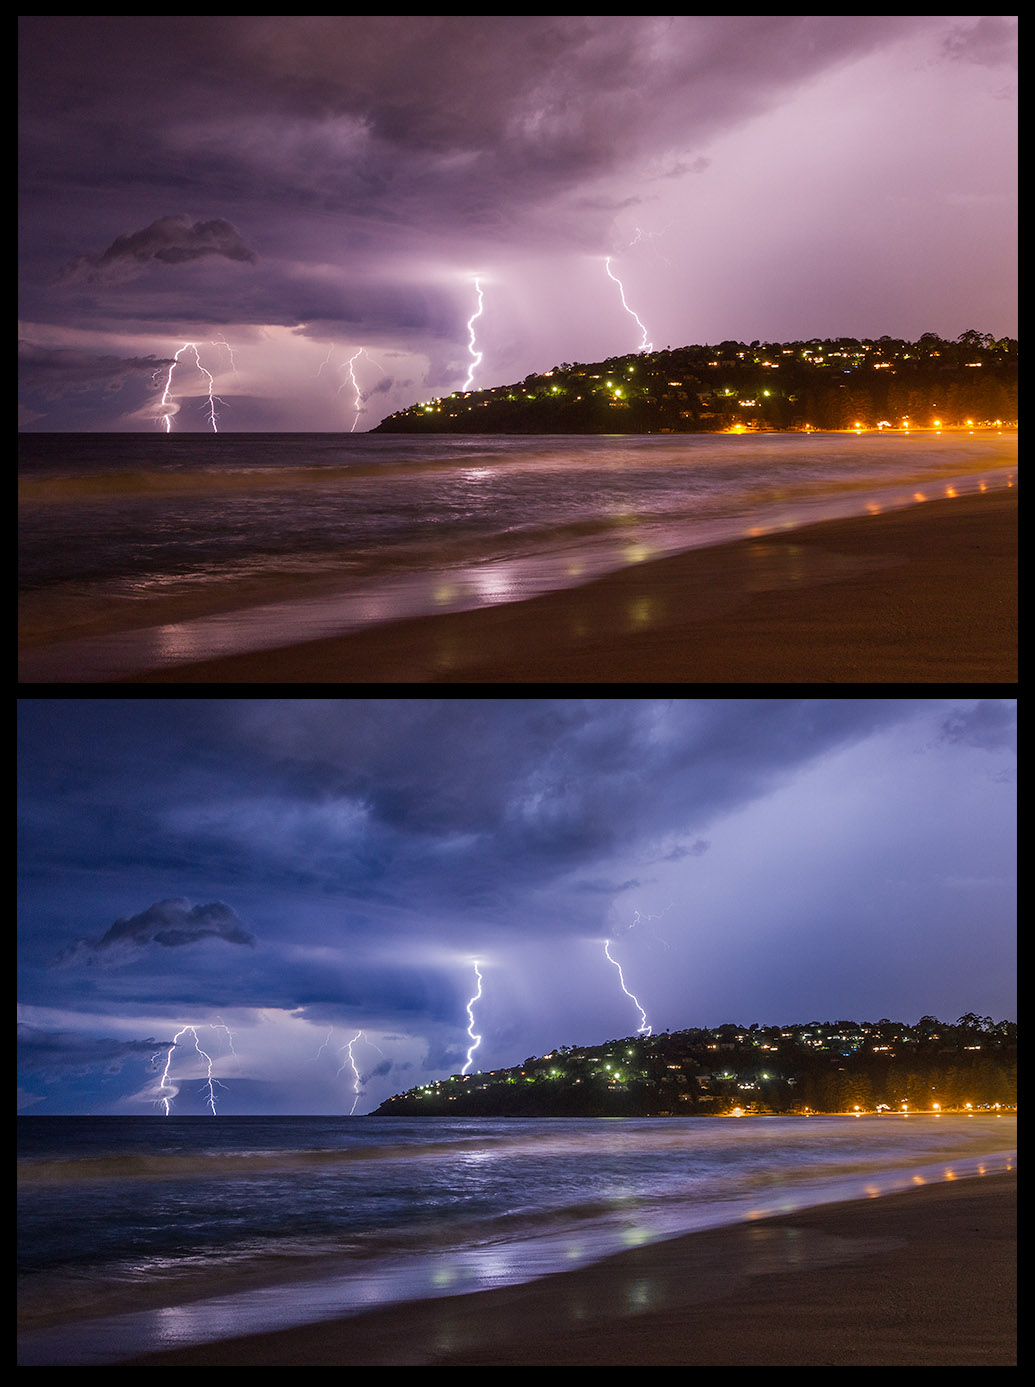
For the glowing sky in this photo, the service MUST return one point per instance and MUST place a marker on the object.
(301, 188)
(296, 871)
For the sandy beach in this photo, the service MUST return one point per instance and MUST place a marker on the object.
(924, 594)
(925, 1277)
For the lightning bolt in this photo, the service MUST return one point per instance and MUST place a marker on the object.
(355, 1072)
(476, 1040)
(222, 342)
(221, 1026)
(476, 356)
(645, 919)
(167, 408)
(351, 364)
(210, 1080)
(643, 1028)
(645, 346)
(650, 237)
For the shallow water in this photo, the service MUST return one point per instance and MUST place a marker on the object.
(140, 1233)
(205, 545)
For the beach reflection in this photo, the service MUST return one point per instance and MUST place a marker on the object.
(634, 1224)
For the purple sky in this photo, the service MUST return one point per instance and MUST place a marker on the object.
(301, 189)
(299, 871)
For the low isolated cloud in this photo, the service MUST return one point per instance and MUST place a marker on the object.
(170, 924)
(171, 240)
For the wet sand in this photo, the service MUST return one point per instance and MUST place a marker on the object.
(926, 1277)
(924, 594)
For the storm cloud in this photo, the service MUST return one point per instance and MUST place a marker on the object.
(751, 859)
(348, 175)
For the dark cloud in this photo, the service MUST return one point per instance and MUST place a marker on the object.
(990, 41)
(53, 1054)
(435, 805)
(416, 121)
(562, 777)
(53, 372)
(547, 98)
(438, 806)
(170, 924)
(79, 383)
(991, 723)
(174, 240)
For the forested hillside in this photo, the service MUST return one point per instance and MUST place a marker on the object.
(830, 1066)
(841, 383)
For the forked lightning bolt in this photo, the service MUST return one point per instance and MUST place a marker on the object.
(351, 363)
(166, 1098)
(350, 366)
(165, 405)
(476, 356)
(355, 1071)
(643, 1028)
(476, 1040)
(645, 346)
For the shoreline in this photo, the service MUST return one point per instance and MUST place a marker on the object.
(925, 594)
(923, 1277)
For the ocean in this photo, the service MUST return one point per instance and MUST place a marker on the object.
(146, 551)
(142, 1233)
